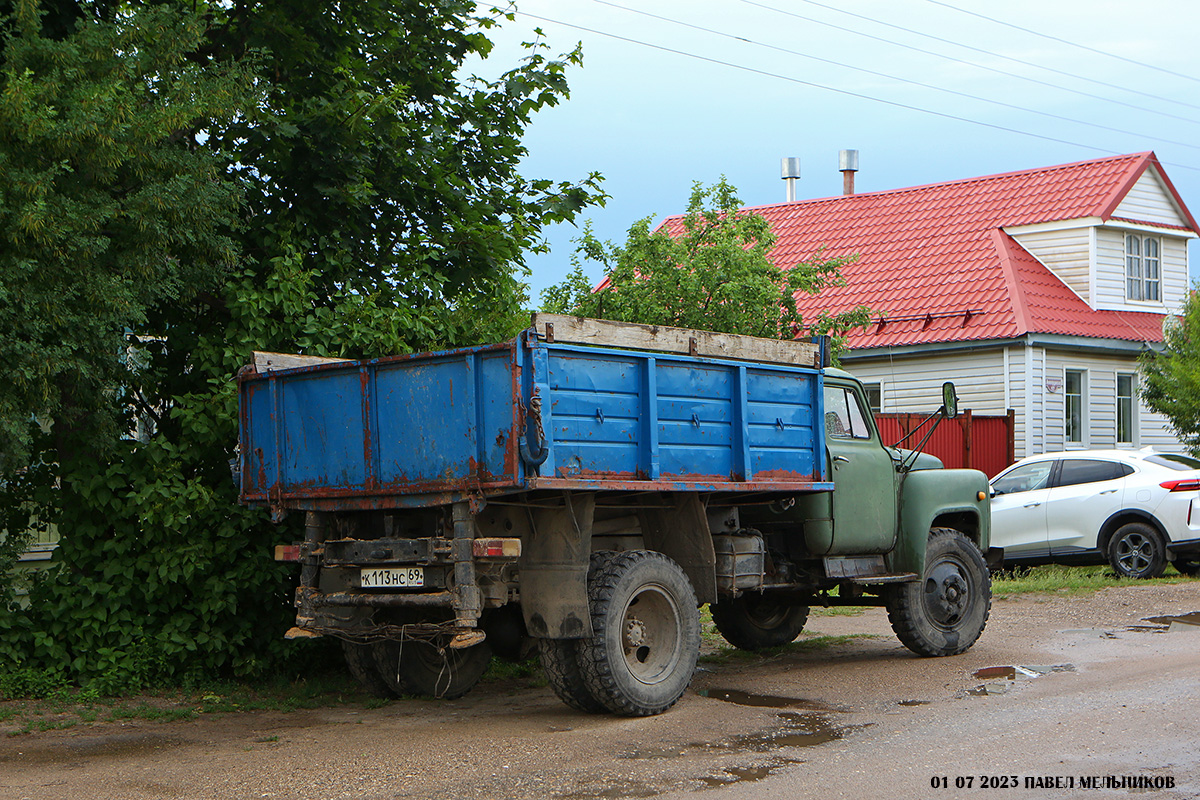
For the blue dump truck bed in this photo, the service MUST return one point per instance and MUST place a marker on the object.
(527, 414)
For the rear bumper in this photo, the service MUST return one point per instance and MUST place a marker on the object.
(1186, 548)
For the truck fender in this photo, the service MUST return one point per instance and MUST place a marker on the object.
(947, 498)
(681, 533)
(553, 568)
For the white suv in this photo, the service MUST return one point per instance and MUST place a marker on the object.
(1139, 510)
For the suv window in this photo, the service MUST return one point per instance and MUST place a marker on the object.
(1089, 470)
(1025, 478)
(1173, 461)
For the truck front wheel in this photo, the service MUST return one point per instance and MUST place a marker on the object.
(755, 621)
(645, 634)
(943, 613)
(417, 667)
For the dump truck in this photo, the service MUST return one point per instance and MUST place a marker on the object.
(583, 490)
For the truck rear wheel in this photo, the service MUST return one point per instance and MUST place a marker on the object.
(417, 667)
(943, 613)
(560, 660)
(645, 634)
(755, 621)
(360, 660)
(560, 663)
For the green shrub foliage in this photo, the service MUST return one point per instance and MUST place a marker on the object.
(211, 179)
(1171, 377)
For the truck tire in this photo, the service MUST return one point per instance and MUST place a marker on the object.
(1136, 551)
(360, 660)
(943, 613)
(417, 668)
(754, 621)
(560, 663)
(645, 634)
(560, 660)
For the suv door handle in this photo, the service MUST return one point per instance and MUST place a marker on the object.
(1032, 505)
(1108, 491)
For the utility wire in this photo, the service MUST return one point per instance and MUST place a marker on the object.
(1106, 85)
(936, 54)
(1066, 41)
(954, 92)
(846, 92)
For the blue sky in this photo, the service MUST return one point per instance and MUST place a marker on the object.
(653, 121)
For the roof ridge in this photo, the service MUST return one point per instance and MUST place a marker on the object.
(1016, 294)
(958, 181)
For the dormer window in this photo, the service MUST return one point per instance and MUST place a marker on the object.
(1142, 267)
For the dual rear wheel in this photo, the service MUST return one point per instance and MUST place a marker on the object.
(645, 638)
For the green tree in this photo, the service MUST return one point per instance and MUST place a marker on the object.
(1171, 377)
(711, 271)
(383, 212)
(109, 208)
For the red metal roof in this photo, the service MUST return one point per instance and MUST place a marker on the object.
(934, 260)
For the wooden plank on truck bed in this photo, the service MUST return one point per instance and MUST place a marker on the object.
(266, 362)
(661, 338)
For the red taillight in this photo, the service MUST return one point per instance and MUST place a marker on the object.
(1182, 485)
(496, 548)
(287, 552)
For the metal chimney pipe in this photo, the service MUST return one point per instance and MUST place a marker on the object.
(848, 164)
(790, 172)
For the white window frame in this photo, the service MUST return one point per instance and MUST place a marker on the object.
(1082, 441)
(1131, 399)
(878, 386)
(1143, 268)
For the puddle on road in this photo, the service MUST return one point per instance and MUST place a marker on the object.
(795, 729)
(741, 698)
(613, 793)
(95, 747)
(1188, 623)
(799, 730)
(1009, 675)
(730, 775)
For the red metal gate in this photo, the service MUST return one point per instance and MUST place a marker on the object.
(978, 441)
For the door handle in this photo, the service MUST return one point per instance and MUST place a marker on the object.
(1108, 491)
(1032, 505)
(841, 460)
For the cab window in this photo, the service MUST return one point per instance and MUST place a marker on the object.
(1075, 471)
(844, 417)
(1025, 478)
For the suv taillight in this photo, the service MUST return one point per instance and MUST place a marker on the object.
(1182, 485)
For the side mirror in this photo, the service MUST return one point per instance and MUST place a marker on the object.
(949, 401)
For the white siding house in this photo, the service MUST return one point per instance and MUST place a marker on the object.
(1034, 291)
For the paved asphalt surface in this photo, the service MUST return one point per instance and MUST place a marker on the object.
(1088, 692)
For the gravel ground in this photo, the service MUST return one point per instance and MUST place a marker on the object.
(1102, 692)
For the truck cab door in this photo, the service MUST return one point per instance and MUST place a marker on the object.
(863, 473)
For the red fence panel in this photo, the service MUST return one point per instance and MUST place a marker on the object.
(974, 441)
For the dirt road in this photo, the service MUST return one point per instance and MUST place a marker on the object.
(1094, 691)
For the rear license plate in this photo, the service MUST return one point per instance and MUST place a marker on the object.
(392, 577)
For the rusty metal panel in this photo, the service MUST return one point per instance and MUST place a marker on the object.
(441, 427)
(630, 416)
(347, 435)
